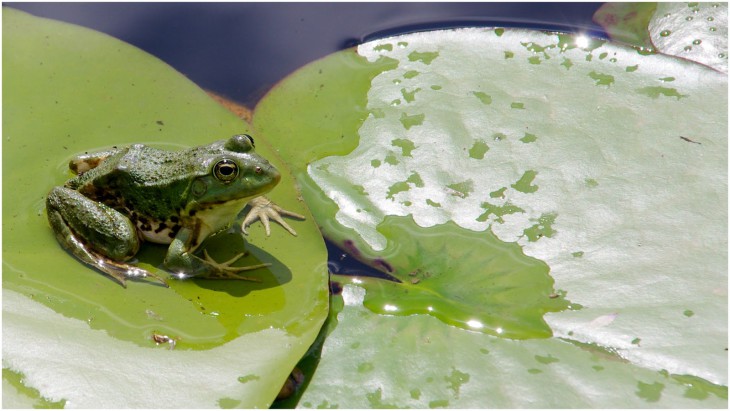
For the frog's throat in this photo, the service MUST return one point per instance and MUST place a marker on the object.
(216, 217)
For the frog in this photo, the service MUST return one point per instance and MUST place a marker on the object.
(121, 197)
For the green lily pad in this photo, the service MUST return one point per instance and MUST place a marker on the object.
(69, 90)
(590, 156)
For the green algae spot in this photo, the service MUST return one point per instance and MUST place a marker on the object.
(636, 341)
(631, 69)
(566, 42)
(438, 404)
(478, 150)
(534, 371)
(591, 183)
(365, 367)
(402, 186)
(410, 121)
(396, 188)
(456, 379)
(391, 159)
(578, 254)
(462, 189)
(247, 378)
(383, 47)
(375, 399)
(533, 60)
(410, 74)
(375, 163)
(483, 97)
(602, 56)
(415, 179)
(395, 102)
(499, 136)
(506, 295)
(567, 63)
(360, 190)
(409, 96)
(402, 44)
(546, 360)
(405, 145)
(432, 203)
(426, 57)
(529, 138)
(536, 48)
(598, 367)
(436, 87)
(484, 351)
(656, 91)
(589, 57)
(508, 55)
(601, 79)
(667, 79)
(542, 227)
(517, 105)
(498, 211)
(688, 313)
(649, 392)
(523, 185)
(499, 32)
(325, 405)
(415, 393)
(498, 193)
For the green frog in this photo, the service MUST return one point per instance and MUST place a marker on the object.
(124, 196)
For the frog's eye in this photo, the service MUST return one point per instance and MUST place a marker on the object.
(225, 170)
(240, 143)
(248, 136)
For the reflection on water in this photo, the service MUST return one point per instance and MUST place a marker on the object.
(241, 49)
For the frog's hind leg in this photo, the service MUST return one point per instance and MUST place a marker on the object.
(95, 234)
(85, 162)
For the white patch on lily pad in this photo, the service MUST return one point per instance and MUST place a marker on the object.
(695, 31)
(109, 373)
(609, 165)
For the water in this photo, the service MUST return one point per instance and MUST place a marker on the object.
(241, 50)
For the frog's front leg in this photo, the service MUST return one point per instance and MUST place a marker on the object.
(95, 234)
(264, 209)
(183, 263)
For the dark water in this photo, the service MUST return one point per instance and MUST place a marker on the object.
(242, 49)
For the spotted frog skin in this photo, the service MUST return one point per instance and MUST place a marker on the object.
(124, 196)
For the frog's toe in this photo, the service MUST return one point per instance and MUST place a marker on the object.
(265, 210)
(225, 271)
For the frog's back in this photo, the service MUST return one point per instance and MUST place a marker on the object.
(139, 178)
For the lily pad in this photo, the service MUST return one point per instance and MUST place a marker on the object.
(69, 90)
(588, 155)
(378, 361)
(691, 30)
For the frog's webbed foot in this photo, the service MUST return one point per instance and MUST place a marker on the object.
(264, 209)
(224, 271)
